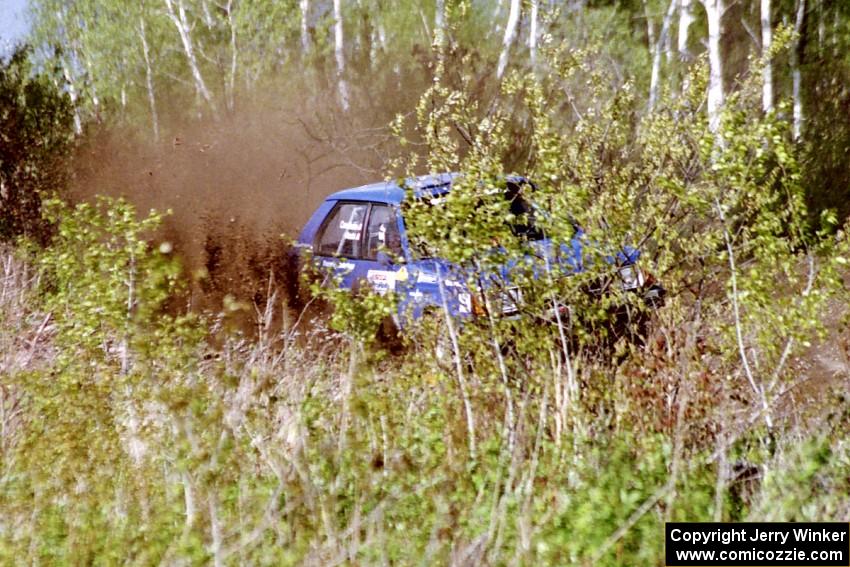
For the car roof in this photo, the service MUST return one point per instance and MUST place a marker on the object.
(392, 193)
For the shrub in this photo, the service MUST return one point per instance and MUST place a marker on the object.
(36, 126)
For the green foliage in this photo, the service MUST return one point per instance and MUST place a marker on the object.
(356, 316)
(141, 442)
(251, 51)
(102, 278)
(803, 478)
(35, 139)
(140, 433)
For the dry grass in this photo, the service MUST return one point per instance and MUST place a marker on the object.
(299, 446)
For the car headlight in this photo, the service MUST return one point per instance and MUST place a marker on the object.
(511, 299)
(631, 277)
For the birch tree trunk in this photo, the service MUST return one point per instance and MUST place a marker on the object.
(304, 7)
(95, 99)
(497, 14)
(208, 19)
(180, 21)
(532, 32)
(835, 28)
(714, 13)
(67, 73)
(650, 36)
(149, 79)
(657, 45)
(668, 38)
(440, 23)
(510, 37)
(234, 55)
(796, 79)
(686, 19)
(72, 93)
(339, 52)
(767, 71)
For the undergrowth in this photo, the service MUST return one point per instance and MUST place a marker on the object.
(135, 432)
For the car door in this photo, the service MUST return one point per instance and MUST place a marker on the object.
(361, 242)
(338, 244)
(384, 261)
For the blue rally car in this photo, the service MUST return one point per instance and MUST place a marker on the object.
(358, 235)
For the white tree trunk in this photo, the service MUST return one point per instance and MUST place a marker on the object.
(510, 36)
(149, 79)
(686, 19)
(657, 45)
(180, 21)
(234, 58)
(382, 36)
(208, 19)
(497, 15)
(796, 79)
(767, 71)
(714, 13)
(532, 32)
(836, 27)
(95, 99)
(339, 52)
(72, 93)
(440, 23)
(70, 80)
(650, 40)
(304, 6)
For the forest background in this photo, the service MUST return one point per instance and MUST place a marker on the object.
(164, 401)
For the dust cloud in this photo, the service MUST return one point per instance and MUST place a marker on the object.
(237, 187)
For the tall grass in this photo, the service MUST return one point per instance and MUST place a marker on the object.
(316, 449)
(135, 431)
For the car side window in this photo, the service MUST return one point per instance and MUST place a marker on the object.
(382, 234)
(341, 234)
